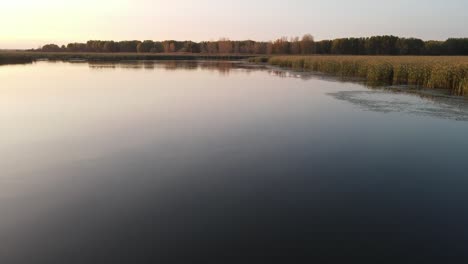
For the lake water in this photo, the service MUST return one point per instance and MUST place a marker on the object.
(138, 162)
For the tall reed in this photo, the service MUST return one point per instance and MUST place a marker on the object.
(449, 73)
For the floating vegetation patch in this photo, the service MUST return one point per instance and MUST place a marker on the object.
(391, 102)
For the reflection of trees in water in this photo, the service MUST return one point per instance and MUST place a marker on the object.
(178, 65)
(291, 74)
(101, 65)
(148, 65)
(222, 67)
(137, 65)
(278, 73)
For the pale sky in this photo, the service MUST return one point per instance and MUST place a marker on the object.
(32, 23)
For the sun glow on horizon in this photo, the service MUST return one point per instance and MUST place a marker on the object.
(29, 23)
(54, 20)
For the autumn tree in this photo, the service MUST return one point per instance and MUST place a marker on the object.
(376, 45)
(225, 46)
(169, 46)
(145, 46)
(212, 47)
(308, 44)
(247, 47)
(295, 46)
(269, 48)
(281, 46)
(260, 48)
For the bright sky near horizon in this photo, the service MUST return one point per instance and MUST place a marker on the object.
(31, 23)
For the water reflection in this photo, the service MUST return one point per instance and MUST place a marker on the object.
(142, 162)
(383, 99)
(222, 67)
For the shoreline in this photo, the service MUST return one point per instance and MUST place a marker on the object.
(404, 89)
(20, 57)
(284, 63)
(423, 72)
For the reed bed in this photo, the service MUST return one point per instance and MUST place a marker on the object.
(421, 71)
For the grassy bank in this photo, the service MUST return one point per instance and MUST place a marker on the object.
(428, 72)
(28, 57)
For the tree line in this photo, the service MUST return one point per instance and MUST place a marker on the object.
(377, 45)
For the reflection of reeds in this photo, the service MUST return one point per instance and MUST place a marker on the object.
(430, 72)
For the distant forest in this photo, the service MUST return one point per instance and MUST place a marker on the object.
(378, 45)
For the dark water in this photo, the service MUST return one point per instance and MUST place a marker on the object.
(224, 162)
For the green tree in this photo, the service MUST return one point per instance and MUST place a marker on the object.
(110, 46)
(128, 46)
(51, 48)
(434, 47)
(456, 46)
(145, 46)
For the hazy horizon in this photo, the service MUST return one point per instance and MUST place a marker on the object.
(36, 23)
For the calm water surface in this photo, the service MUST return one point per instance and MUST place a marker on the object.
(181, 161)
